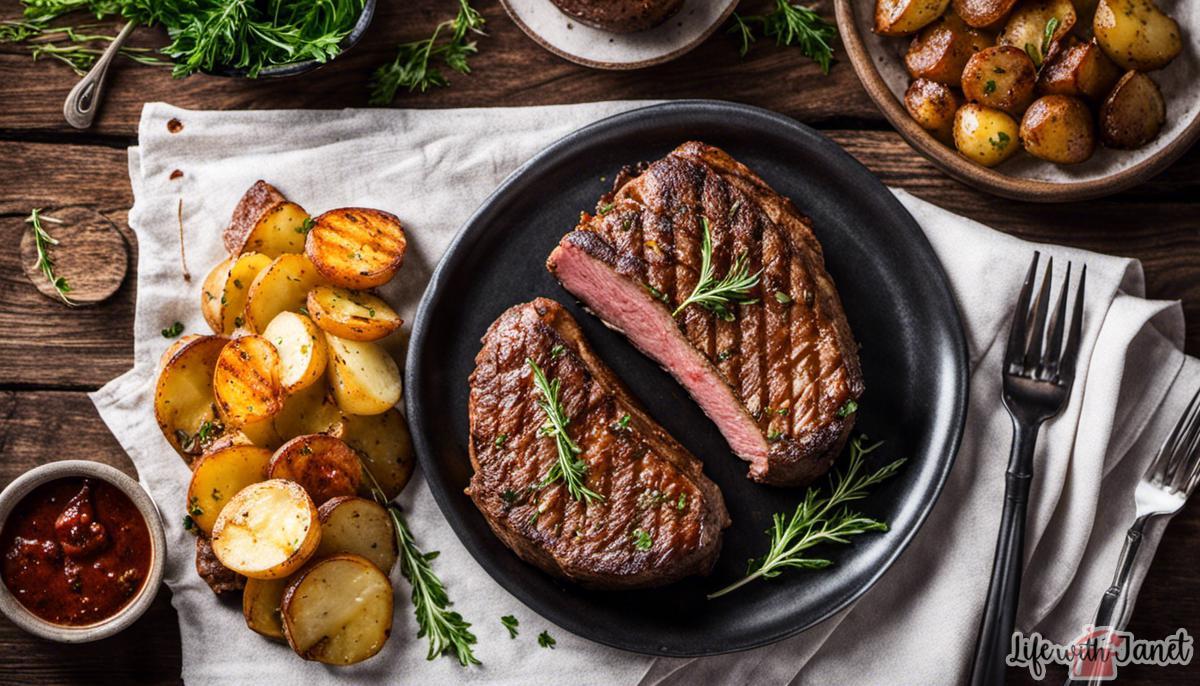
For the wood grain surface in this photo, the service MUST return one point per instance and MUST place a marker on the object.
(51, 356)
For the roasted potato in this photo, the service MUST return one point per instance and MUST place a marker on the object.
(902, 17)
(220, 474)
(1134, 113)
(267, 530)
(265, 222)
(1028, 27)
(1136, 34)
(932, 105)
(385, 445)
(983, 14)
(984, 135)
(223, 297)
(184, 405)
(1001, 77)
(1080, 70)
(246, 382)
(353, 315)
(941, 50)
(282, 287)
(325, 466)
(338, 610)
(1058, 128)
(359, 526)
(301, 347)
(310, 410)
(364, 377)
(355, 247)
(260, 605)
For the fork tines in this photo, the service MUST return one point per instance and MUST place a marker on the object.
(1036, 348)
(1177, 466)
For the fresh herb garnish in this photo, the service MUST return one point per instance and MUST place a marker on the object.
(606, 208)
(819, 519)
(196, 443)
(621, 424)
(1001, 140)
(45, 264)
(306, 226)
(789, 24)
(683, 500)
(642, 540)
(848, 408)
(500, 440)
(411, 68)
(556, 352)
(989, 87)
(189, 524)
(1048, 35)
(717, 296)
(510, 622)
(568, 467)
(545, 640)
(173, 330)
(782, 298)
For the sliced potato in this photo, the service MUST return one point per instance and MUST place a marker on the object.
(267, 531)
(364, 377)
(260, 606)
(310, 410)
(218, 476)
(1134, 113)
(1001, 77)
(353, 315)
(265, 222)
(184, 405)
(1080, 70)
(985, 135)
(1136, 34)
(932, 105)
(223, 298)
(338, 610)
(246, 382)
(983, 14)
(941, 50)
(1058, 128)
(385, 445)
(1026, 27)
(902, 17)
(282, 287)
(301, 347)
(356, 247)
(325, 466)
(356, 525)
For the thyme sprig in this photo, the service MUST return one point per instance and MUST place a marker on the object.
(716, 295)
(568, 467)
(413, 69)
(819, 519)
(789, 24)
(45, 263)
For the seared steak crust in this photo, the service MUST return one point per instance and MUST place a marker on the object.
(660, 519)
(787, 365)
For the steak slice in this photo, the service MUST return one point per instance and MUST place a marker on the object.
(659, 519)
(780, 377)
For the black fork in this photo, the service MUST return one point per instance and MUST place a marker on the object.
(1039, 368)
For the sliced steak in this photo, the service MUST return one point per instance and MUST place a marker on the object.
(781, 375)
(659, 518)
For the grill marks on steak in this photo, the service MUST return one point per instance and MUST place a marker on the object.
(649, 482)
(776, 377)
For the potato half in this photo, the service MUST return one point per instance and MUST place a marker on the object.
(267, 531)
(932, 105)
(218, 476)
(1001, 77)
(323, 465)
(246, 382)
(338, 610)
(1058, 128)
(1080, 70)
(902, 17)
(385, 445)
(282, 287)
(1134, 113)
(985, 135)
(301, 347)
(983, 14)
(223, 297)
(363, 527)
(1136, 34)
(310, 410)
(352, 315)
(260, 606)
(184, 404)
(364, 377)
(356, 247)
(265, 222)
(941, 50)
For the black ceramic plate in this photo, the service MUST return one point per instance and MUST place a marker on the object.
(899, 306)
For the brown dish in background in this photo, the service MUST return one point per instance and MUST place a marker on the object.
(619, 16)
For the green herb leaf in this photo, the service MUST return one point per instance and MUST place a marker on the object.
(682, 503)
(789, 24)
(847, 409)
(782, 298)
(412, 68)
(173, 330)
(1001, 140)
(45, 263)
(510, 622)
(716, 296)
(642, 540)
(500, 440)
(546, 641)
(989, 87)
(1048, 37)
(568, 468)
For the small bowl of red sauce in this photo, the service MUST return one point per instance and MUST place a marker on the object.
(81, 551)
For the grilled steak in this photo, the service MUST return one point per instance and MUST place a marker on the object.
(658, 517)
(779, 376)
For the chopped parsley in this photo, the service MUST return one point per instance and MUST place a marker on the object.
(782, 298)
(681, 505)
(510, 622)
(545, 640)
(1001, 140)
(500, 440)
(989, 87)
(173, 330)
(849, 408)
(642, 540)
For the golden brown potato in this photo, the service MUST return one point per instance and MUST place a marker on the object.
(353, 315)
(385, 445)
(1058, 128)
(1080, 70)
(282, 287)
(310, 410)
(267, 530)
(902, 17)
(184, 405)
(356, 525)
(338, 610)
(983, 14)
(301, 347)
(985, 135)
(223, 298)
(1000, 77)
(941, 50)
(364, 377)
(932, 105)
(1134, 113)
(246, 381)
(1029, 27)
(220, 474)
(356, 247)
(265, 222)
(260, 606)
(1136, 34)
(323, 465)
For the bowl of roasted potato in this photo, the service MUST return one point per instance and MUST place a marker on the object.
(1042, 100)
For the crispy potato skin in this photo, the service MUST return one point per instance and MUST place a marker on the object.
(257, 224)
(385, 445)
(1134, 113)
(1058, 128)
(183, 394)
(903, 17)
(985, 135)
(268, 530)
(1136, 34)
(355, 247)
(246, 381)
(350, 524)
(323, 465)
(1001, 77)
(983, 14)
(1081, 70)
(941, 50)
(352, 315)
(1027, 25)
(315, 631)
(932, 105)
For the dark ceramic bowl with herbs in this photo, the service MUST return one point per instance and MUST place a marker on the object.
(305, 66)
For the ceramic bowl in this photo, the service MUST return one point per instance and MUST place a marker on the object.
(296, 68)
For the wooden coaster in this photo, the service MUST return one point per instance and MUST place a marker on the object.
(91, 255)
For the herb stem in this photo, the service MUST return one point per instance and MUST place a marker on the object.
(718, 296)
(45, 263)
(568, 467)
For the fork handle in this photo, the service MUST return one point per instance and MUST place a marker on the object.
(999, 616)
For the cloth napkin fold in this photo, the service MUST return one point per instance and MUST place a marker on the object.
(432, 168)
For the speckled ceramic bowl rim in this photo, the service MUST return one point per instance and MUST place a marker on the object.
(37, 476)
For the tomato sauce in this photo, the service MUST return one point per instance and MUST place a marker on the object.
(75, 550)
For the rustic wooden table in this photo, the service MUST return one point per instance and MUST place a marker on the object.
(51, 356)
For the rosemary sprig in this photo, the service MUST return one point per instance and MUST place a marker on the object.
(45, 263)
(789, 24)
(819, 520)
(1038, 55)
(717, 296)
(412, 67)
(568, 467)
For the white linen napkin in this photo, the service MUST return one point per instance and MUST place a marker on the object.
(432, 168)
